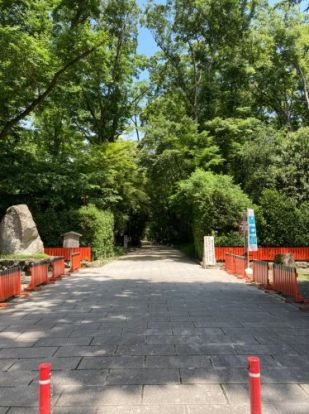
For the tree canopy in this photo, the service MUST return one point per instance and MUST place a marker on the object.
(222, 118)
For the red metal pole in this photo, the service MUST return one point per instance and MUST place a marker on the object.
(255, 384)
(44, 388)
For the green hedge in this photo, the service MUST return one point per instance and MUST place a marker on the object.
(97, 228)
(212, 205)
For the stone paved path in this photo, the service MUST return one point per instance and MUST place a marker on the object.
(153, 333)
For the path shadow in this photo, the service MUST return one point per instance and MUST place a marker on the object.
(131, 342)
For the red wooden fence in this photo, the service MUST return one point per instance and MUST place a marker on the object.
(230, 263)
(58, 268)
(39, 274)
(85, 252)
(260, 273)
(236, 265)
(240, 266)
(10, 284)
(75, 261)
(285, 282)
(264, 253)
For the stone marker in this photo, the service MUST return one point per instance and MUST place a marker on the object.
(71, 239)
(18, 232)
(286, 259)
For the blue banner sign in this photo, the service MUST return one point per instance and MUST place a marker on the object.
(252, 239)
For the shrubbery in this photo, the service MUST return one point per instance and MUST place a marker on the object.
(280, 222)
(97, 227)
(211, 204)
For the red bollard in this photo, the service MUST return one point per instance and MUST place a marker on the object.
(44, 388)
(255, 384)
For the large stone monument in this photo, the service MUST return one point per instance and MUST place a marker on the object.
(18, 232)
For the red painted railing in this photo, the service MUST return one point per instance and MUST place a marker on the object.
(260, 273)
(264, 253)
(285, 282)
(75, 261)
(240, 266)
(58, 268)
(85, 252)
(236, 265)
(230, 263)
(10, 284)
(39, 275)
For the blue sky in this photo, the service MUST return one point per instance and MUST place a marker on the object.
(146, 43)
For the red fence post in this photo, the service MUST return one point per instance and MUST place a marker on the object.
(254, 384)
(44, 388)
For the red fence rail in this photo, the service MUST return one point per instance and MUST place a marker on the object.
(230, 263)
(10, 284)
(240, 266)
(39, 275)
(85, 252)
(75, 261)
(260, 273)
(264, 253)
(58, 268)
(236, 265)
(285, 282)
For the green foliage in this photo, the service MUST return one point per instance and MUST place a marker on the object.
(211, 204)
(97, 227)
(280, 222)
(36, 256)
(225, 103)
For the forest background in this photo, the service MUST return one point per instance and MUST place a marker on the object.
(220, 120)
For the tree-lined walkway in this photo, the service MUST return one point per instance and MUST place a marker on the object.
(153, 333)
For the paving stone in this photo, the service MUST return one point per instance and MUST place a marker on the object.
(292, 360)
(146, 349)
(19, 396)
(305, 387)
(65, 378)
(112, 362)
(272, 394)
(143, 376)
(14, 379)
(227, 409)
(96, 397)
(291, 408)
(64, 341)
(184, 394)
(148, 332)
(32, 364)
(213, 376)
(16, 343)
(301, 349)
(5, 364)
(198, 349)
(270, 349)
(42, 352)
(197, 331)
(157, 409)
(107, 340)
(183, 361)
(221, 361)
(76, 350)
(62, 410)
(147, 318)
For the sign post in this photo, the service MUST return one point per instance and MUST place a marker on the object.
(209, 256)
(251, 234)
